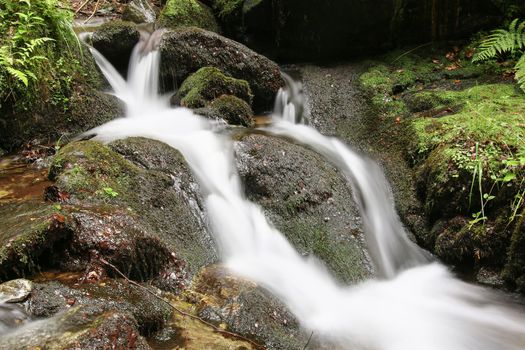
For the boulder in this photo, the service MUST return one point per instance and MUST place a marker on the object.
(139, 11)
(188, 13)
(148, 207)
(186, 50)
(209, 83)
(115, 40)
(231, 109)
(307, 199)
(246, 309)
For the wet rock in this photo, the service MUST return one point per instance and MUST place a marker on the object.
(139, 11)
(105, 295)
(188, 13)
(145, 214)
(231, 109)
(209, 83)
(78, 328)
(88, 108)
(186, 50)
(28, 231)
(15, 291)
(298, 191)
(115, 40)
(246, 309)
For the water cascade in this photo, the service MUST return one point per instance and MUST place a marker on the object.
(418, 304)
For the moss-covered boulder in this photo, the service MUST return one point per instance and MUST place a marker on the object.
(28, 232)
(307, 199)
(149, 207)
(139, 11)
(187, 50)
(188, 13)
(231, 109)
(209, 83)
(115, 40)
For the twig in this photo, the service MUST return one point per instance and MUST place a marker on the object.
(308, 342)
(410, 51)
(94, 11)
(81, 6)
(215, 328)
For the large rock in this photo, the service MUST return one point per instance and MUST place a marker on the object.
(246, 309)
(188, 13)
(148, 207)
(115, 40)
(307, 199)
(186, 50)
(209, 83)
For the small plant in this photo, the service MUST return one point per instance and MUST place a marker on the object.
(110, 192)
(502, 41)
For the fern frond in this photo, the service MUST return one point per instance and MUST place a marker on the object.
(18, 75)
(502, 41)
(520, 72)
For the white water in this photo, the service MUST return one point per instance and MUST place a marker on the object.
(422, 307)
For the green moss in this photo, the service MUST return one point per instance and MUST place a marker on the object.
(28, 229)
(227, 8)
(88, 167)
(188, 13)
(491, 115)
(341, 257)
(232, 109)
(209, 83)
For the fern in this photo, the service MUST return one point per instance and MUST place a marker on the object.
(502, 41)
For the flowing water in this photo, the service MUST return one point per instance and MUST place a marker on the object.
(416, 304)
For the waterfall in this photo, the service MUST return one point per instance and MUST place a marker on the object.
(418, 305)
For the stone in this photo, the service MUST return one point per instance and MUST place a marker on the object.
(186, 50)
(139, 11)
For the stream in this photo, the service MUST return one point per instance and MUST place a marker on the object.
(416, 303)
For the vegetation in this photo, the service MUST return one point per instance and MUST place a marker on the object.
(37, 50)
(461, 126)
(501, 42)
(188, 13)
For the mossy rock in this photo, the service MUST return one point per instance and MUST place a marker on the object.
(28, 232)
(233, 110)
(467, 245)
(186, 50)
(209, 83)
(188, 13)
(307, 199)
(154, 186)
(115, 40)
